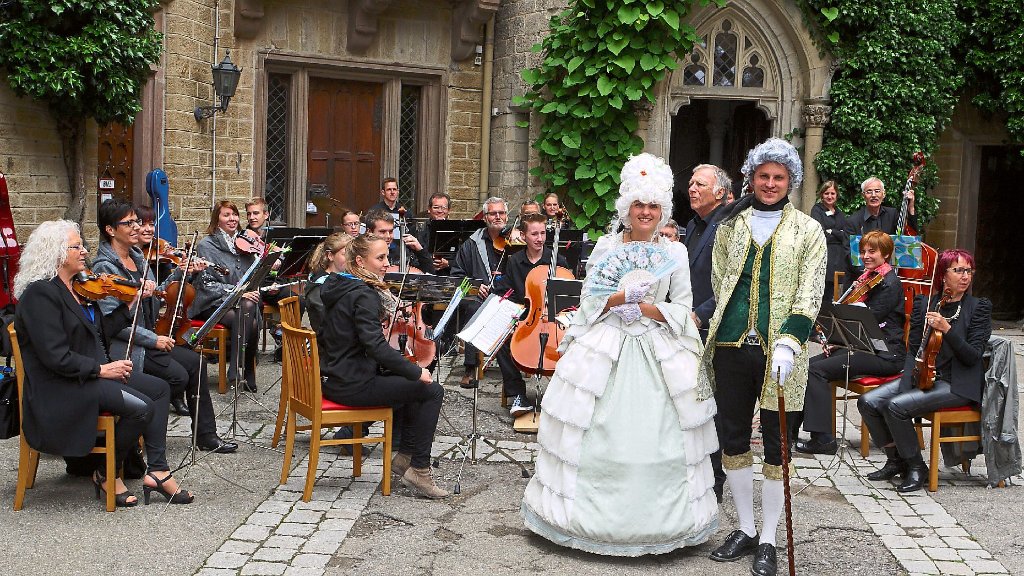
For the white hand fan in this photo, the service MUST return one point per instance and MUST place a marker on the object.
(631, 263)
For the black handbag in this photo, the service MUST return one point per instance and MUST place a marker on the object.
(9, 408)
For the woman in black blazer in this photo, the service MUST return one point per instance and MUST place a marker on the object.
(69, 379)
(966, 324)
(833, 224)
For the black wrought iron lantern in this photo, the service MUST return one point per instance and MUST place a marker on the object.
(225, 81)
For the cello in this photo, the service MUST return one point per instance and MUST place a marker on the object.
(536, 339)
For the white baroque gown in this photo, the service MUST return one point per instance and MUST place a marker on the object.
(625, 438)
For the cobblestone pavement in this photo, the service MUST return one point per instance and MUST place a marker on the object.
(244, 523)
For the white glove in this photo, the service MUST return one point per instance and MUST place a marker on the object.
(782, 361)
(635, 292)
(628, 312)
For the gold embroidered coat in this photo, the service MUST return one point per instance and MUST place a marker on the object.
(796, 283)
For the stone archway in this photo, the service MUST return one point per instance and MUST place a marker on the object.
(751, 51)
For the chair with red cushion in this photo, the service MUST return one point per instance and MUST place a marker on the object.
(301, 364)
(218, 336)
(289, 311)
(858, 387)
(28, 457)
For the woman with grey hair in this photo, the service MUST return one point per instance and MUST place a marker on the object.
(69, 379)
(625, 434)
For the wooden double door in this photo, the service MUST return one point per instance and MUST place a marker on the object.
(344, 151)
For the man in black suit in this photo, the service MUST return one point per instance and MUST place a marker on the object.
(874, 216)
(707, 190)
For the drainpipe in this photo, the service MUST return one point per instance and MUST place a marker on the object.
(485, 110)
(213, 120)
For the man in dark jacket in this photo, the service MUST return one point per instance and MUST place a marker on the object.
(707, 190)
(874, 216)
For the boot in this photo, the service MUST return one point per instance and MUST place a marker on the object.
(400, 463)
(894, 466)
(421, 482)
(916, 476)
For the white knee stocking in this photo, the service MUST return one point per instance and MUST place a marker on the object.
(772, 505)
(741, 484)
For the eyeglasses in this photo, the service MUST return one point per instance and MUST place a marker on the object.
(130, 223)
(351, 224)
(968, 271)
(669, 235)
(77, 248)
(874, 192)
(496, 213)
(439, 208)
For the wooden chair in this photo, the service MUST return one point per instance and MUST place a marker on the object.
(301, 363)
(857, 388)
(270, 311)
(291, 315)
(960, 417)
(28, 457)
(216, 344)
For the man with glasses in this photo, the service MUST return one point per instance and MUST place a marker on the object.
(437, 210)
(874, 216)
(478, 259)
(380, 224)
(670, 231)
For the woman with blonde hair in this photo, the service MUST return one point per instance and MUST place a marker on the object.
(328, 258)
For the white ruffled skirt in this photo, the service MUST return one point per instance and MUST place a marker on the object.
(624, 467)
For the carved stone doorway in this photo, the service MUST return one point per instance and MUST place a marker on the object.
(718, 132)
(997, 244)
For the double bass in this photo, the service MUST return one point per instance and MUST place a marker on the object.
(929, 255)
(536, 339)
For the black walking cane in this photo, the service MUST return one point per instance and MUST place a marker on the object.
(783, 429)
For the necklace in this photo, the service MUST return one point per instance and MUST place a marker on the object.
(955, 314)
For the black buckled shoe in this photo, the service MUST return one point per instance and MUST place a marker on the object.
(817, 446)
(736, 546)
(179, 406)
(216, 444)
(915, 478)
(893, 467)
(765, 562)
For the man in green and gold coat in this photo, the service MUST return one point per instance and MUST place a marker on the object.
(768, 274)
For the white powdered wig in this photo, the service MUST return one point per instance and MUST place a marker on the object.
(774, 150)
(646, 178)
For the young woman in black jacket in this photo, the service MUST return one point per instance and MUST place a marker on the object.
(965, 323)
(355, 358)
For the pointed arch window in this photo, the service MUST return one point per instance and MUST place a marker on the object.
(727, 56)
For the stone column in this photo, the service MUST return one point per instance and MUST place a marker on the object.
(815, 117)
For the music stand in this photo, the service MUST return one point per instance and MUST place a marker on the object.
(570, 245)
(445, 236)
(563, 293)
(250, 281)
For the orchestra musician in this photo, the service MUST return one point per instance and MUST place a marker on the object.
(380, 224)
(874, 216)
(212, 288)
(388, 198)
(327, 259)
(478, 259)
(69, 379)
(553, 210)
(885, 301)
(350, 222)
(528, 207)
(534, 230)
(157, 355)
(354, 351)
(439, 207)
(965, 323)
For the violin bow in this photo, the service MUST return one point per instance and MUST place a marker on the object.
(138, 306)
(181, 293)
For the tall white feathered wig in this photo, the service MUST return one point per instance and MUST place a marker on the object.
(774, 150)
(646, 178)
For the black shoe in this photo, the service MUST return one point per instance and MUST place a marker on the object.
(520, 405)
(765, 562)
(216, 444)
(816, 446)
(736, 546)
(279, 354)
(250, 386)
(915, 478)
(179, 406)
(468, 381)
(893, 467)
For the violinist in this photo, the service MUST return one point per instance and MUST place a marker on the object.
(965, 324)
(885, 300)
(212, 288)
(534, 230)
(380, 224)
(70, 379)
(355, 352)
(478, 259)
(157, 355)
(555, 213)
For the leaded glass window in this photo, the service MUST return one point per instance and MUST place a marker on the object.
(408, 146)
(278, 88)
(725, 56)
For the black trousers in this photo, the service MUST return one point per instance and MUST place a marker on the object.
(739, 378)
(889, 413)
(143, 402)
(818, 415)
(180, 368)
(245, 335)
(417, 419)
(511, 377)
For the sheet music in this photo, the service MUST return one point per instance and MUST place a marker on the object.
(494, 320)
(453, 305)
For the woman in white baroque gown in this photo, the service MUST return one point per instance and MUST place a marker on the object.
(625, 432)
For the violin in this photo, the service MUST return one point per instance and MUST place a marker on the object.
(931, 341)
(174, 321)
(176, 256)
(858, 291)
(249, 242)
(407, 333)
(99, 286)
(536, 339)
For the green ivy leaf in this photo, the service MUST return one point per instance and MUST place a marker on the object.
(574, 64)
(649, 62)
(584, 171)
(671, 17)
(830, 14)
(615, 46)
(655, 8)
(628, 14)
(605, 85)
(626, 62)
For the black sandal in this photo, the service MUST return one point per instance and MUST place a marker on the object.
(179, 497)
(120, 500)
